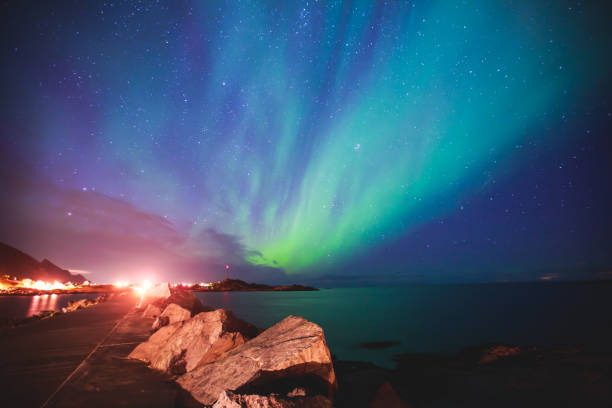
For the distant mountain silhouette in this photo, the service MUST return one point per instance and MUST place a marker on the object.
(13, 262)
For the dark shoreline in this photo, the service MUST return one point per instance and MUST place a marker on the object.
(237, 285)
(258, 287)
(227, 285)
(482, 376)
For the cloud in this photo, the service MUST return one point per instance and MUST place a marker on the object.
(111, 238)
(79, 271)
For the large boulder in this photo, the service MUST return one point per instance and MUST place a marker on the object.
(292, 351)
(161, 290)
(386, 397)
(172, 314)
(228, 399)
(151, 311)
(185, 299)
(181, 346)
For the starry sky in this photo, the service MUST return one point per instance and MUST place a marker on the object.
(339, 143)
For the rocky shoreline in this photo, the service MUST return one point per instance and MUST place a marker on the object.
(73, 305)
(215, 359)
(491, 375)
(222, 362)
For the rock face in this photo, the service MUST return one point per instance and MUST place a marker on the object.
(79, 304)
(293, 350)
(184, 299)
(161, 290)
(228, 399)
(181, 346)
(151, 311)
(172, 314)
(386, 397)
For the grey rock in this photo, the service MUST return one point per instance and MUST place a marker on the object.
(293, 348)
(172, 314)
(187, 343)
(151, 311)
(228, 399)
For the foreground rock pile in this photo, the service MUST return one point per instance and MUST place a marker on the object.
(83, 303)
(223, 361)
(181, 346)
(228, 399)
(292, 351)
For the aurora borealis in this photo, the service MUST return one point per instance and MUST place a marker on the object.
(356, 141)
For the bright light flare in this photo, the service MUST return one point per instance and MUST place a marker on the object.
(142, 288)
(42, 285)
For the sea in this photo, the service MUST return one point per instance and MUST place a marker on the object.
(417, 318)
(19, 307)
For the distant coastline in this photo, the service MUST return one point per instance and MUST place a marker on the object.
(237, 285)
(227, 285)
(91, 289)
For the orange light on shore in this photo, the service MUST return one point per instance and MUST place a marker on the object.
(141, 289)
(42, 285)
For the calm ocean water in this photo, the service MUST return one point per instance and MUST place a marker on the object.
(26, 306)
(443, 319)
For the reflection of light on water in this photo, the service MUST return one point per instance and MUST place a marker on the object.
(42, 302)
(52, 301)
(34, 305)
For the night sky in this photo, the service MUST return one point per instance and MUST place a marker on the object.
(340, 143)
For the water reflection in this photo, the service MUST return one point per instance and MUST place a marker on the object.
(34, 305)
(52, 301)
(42, 302)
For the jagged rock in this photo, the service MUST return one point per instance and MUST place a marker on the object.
(499, 351)
(228, 399)
(151, 311)
(293, 349)
(297, 392)
(78, 304)
(386, 397)
(161, 290)
(184, 299)
(200, 339)
(172, 314)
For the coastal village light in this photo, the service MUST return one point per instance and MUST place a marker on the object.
(42, 285)
(146, 285)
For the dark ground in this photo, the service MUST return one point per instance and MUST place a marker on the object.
(486, 376)
(90, 346)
